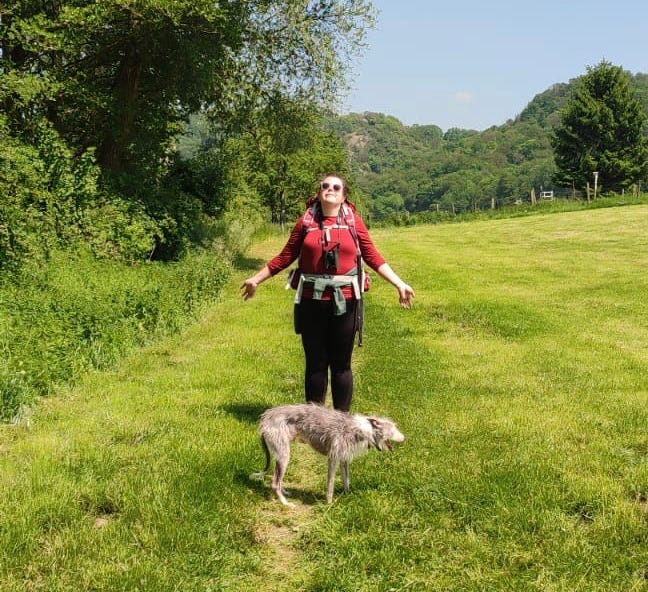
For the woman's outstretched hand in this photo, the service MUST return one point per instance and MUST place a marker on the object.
(249, 288)
(405, 295)
(250, 285)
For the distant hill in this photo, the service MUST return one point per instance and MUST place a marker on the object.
(402, 169)
(545, 107)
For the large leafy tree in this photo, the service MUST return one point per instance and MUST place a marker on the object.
(278, 155)
(288, 149)
(115, 80)
(120, 75)
(603, 129)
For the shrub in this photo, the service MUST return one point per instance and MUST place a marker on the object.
(26, 229)
(76, 313)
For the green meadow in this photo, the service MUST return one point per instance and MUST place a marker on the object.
(520, 379)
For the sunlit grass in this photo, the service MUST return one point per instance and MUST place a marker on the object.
(520, 378)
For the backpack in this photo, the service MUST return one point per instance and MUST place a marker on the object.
(346, 219)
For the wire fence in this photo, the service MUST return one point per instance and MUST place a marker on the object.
(557, 198)
(479, 203)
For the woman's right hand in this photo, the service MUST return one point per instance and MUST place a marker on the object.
(250, 285)
(405, 295)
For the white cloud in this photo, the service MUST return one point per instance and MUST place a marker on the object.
(463, 97)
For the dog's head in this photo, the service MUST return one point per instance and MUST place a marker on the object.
(384, 433)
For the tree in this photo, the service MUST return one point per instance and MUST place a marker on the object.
(122, 74)
(284, 150)
(116, 79)
(388, 204)
(602, 129)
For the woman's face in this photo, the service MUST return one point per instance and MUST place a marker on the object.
(332, 190)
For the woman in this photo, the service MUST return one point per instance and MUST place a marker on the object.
(326, 241)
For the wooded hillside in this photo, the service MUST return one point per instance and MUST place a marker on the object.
(408, 169)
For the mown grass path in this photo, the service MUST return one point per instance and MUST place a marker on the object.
(520, 379)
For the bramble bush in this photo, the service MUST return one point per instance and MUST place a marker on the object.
(78, 312)
(52, 200)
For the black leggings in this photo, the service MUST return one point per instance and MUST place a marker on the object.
(328, 343)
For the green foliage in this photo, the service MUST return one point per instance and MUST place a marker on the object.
(117, 229)
(23, 206)
(545, 107)
(50, 199)
(270, 164)
(288, 152)
(459, 170)
(75, 313)
(415, 169)
(603, 129)
(124, 74)
(116, 79)
(241, 222)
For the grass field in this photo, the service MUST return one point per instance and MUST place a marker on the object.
(520, 378)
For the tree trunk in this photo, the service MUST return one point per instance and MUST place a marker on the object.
(113, 152)
(282, 209)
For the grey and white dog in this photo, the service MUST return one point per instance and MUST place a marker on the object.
(339, 436)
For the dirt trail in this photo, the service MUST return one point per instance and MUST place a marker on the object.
(279, 529)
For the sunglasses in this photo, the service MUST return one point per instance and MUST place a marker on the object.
(335, 186)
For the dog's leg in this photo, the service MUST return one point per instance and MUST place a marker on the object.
(277, 480)
(346, 479)
(332, 469)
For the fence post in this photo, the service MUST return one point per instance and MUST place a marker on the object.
(588, 192)
(533, 196)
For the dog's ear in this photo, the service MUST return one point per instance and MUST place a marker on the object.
(374, 421)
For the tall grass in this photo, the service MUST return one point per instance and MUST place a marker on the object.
(75, 313)
(520, 379)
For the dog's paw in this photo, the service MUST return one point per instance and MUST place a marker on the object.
(258, 476)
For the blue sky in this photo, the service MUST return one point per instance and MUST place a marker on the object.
(474, 64)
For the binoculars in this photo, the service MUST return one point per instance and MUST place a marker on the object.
(332, 258)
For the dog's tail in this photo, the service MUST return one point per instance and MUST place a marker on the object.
(264, 444)
(261, 474)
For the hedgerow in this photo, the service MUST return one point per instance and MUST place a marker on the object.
(75, 312)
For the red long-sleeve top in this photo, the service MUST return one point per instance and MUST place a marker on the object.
(310, 247)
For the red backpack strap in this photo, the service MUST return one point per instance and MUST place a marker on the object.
(311, 215)
(348, 216)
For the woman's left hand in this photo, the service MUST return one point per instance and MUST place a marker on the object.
(406, 295)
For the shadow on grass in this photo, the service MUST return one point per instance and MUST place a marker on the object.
(246, 412)
(248, 263)
(263, 489)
